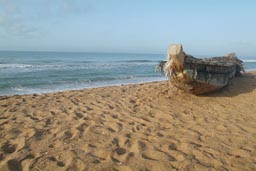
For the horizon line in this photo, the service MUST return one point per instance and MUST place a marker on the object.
(93, 52)
(102, 52)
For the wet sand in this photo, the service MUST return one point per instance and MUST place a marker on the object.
(151, 126)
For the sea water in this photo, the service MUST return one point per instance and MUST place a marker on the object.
(44, 72)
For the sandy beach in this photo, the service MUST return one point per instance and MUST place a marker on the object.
(140, 127)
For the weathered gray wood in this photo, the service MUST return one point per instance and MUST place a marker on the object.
(199, 75)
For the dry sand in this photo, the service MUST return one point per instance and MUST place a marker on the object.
(151, 126)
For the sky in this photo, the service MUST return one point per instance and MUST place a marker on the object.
(203, 27)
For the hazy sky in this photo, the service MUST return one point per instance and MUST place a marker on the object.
(204, 27)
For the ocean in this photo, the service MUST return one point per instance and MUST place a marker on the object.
(45, 72)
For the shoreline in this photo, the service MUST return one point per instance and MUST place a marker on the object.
(160, 79)
(92, 87)
(147, 126)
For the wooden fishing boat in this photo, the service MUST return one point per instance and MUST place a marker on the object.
(199, 75)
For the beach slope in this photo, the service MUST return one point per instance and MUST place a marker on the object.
(151, 126)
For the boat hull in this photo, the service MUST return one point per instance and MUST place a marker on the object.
(200, 75)
(196, 88)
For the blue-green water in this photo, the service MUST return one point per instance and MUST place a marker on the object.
(43, 72)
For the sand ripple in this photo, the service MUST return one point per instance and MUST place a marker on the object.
(150, 126)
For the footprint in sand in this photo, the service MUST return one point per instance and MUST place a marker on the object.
(4, 123)
(79, 115)
(99, 130)
(14, 165)
(131, 123)
(132, 101)
(39, 133)
(115, 116)
(68, 135)
(48, 122)
(129, 156)
(53, 113)
(52, 158)
(4, 117)
(8, 148)
(142, 146)
(32, 117)
(120, 151)
(172, 146)
(115, 127)
(159, 134)
(157, 155)
(111, 129)
(81, 128)
(88, 108)
(1, 156)
(128, 143)
(115, 141)
(116, 161)
(92, 146)
(59, 163)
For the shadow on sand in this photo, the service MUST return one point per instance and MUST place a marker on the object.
(239, 85)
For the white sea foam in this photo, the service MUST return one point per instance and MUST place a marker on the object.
(71, 66)
(28, 66)
(72, 86)
(249, 60)
(15, 66)
(33, 72)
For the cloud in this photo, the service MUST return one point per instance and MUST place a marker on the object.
(12, 22)
(16, 27)
(71, 7)
(21, 18)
